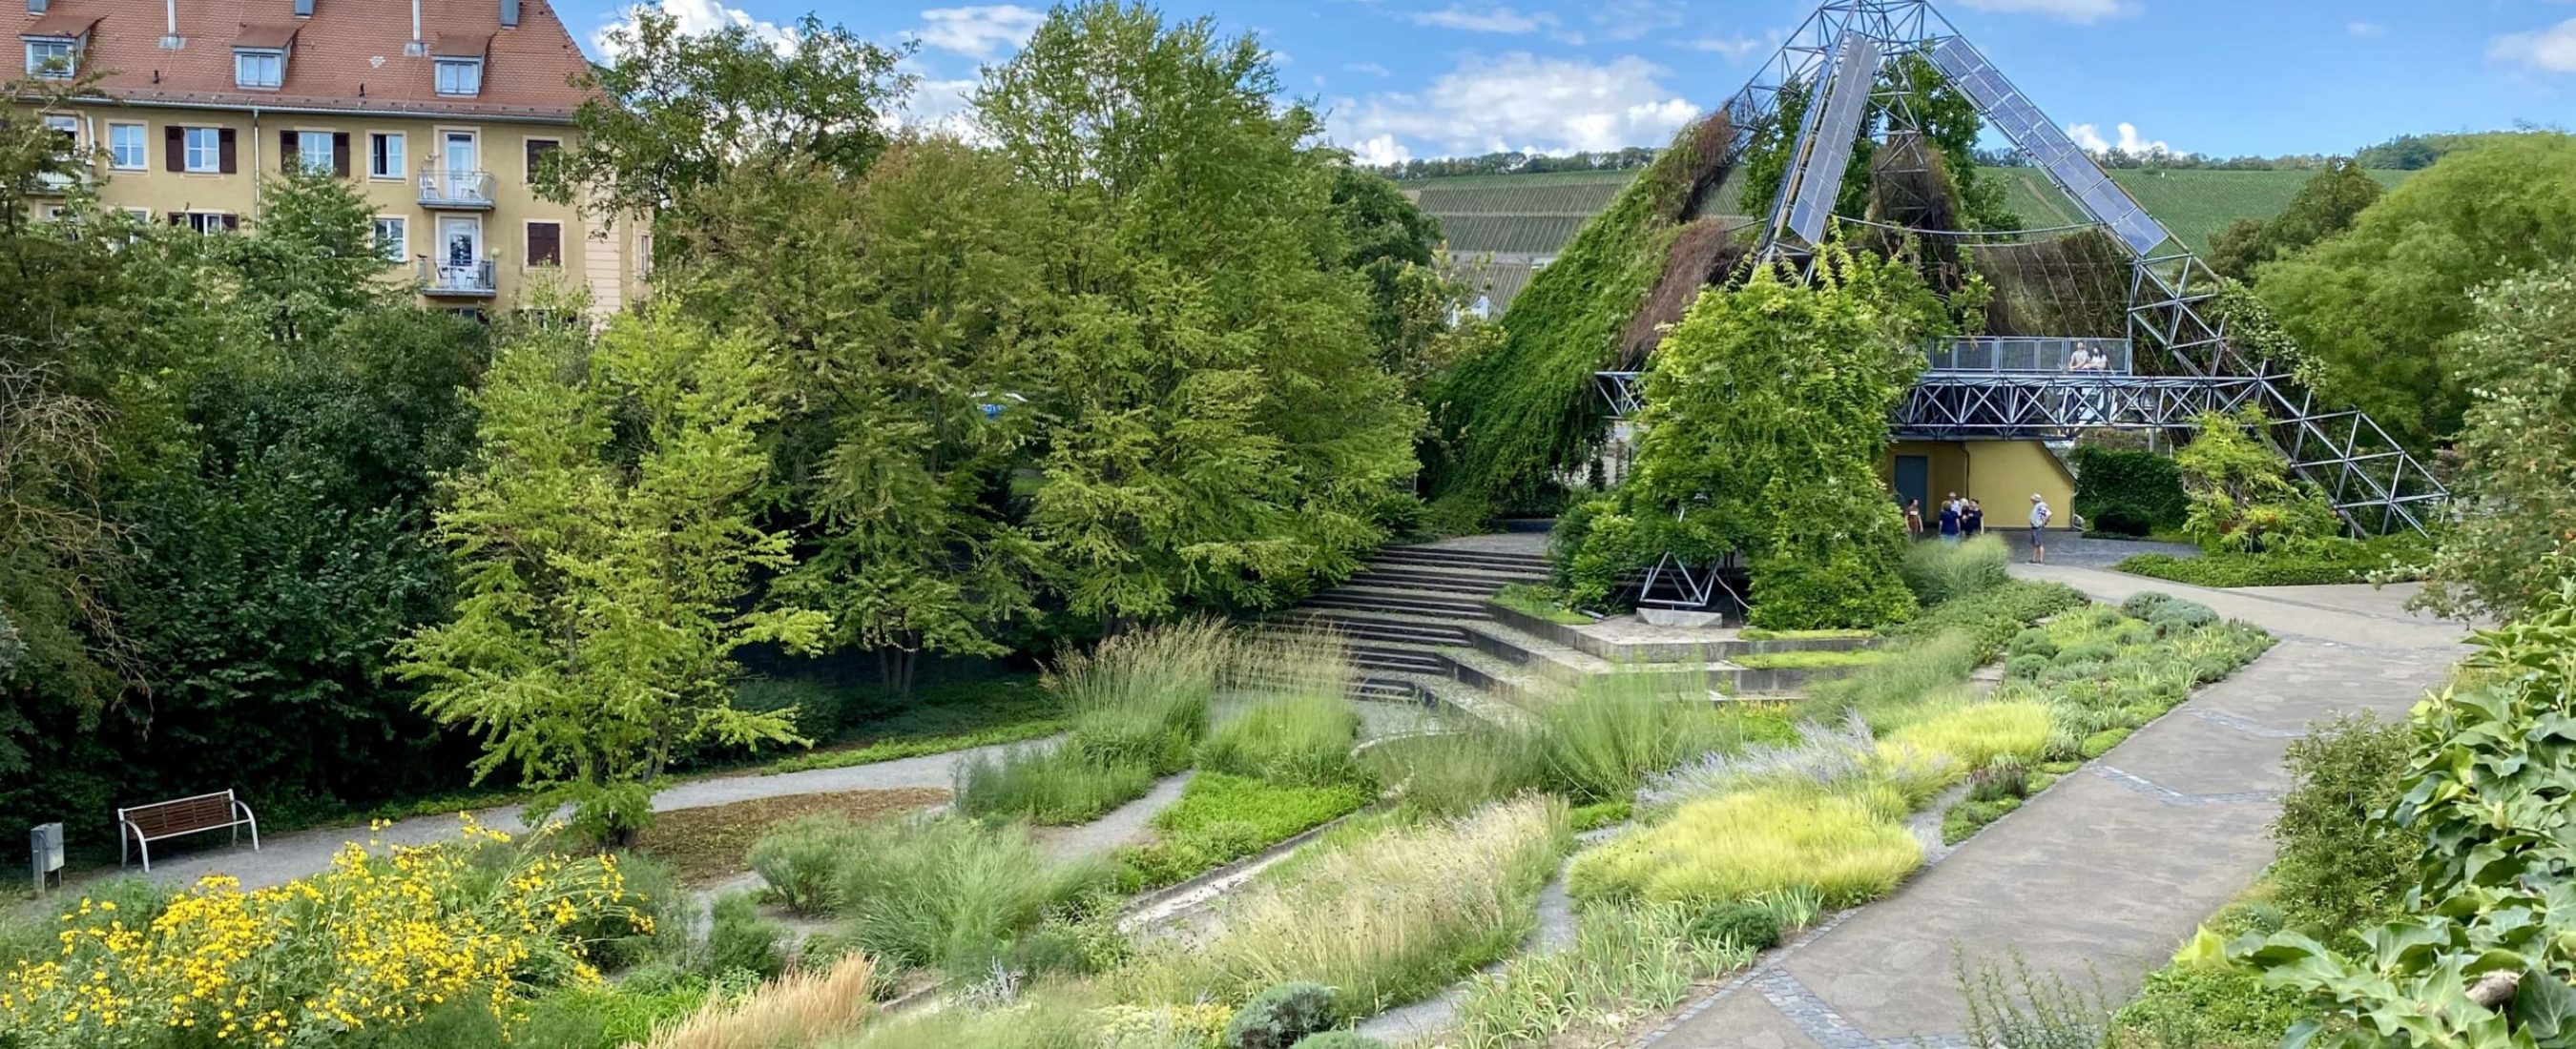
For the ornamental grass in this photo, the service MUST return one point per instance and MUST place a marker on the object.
(1751, 844)
(1384, 919)
(796, 1010)
(374, 944)
(1973, 736)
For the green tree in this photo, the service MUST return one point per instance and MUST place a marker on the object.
(912, 404)
(2378, 311)
(2518, 437)
(313, 257)
(2240, 491)
(606, 542)
(673, 110)
(2326, 205)
(1766, 413)
(1219, 423)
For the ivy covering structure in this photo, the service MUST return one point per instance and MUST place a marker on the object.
(1519, 414)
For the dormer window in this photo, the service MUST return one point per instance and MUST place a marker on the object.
(259, 67)
(460, 76)
(52, 58)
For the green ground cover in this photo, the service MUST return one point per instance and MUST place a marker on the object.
(2396, 558)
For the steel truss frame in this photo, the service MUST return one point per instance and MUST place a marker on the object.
(2370, 479)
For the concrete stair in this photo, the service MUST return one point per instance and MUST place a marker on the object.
(1400, 616)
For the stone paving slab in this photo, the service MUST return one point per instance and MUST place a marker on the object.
(2102, 875)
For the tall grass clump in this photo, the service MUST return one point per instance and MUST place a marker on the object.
(1057, 784)
(942, 891)
(1606, 738)
(1303, 731)
(1745, 845)
(1973, 736)
(1383, 920)
(1455, 773)
(1142, 698)
(796, 1010)
(799, 858)
(1626, 961)
(1821, 755)
(1915, 670)
(1045, 1020)
(1941, 572)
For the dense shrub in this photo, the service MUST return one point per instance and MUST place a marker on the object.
(1938, 572)
(800, 858)
(2303, 562)
(2342, 861)
(741, 939)
(2144, 603)
(2127, 491)
(2176, 616)
(1750, 926)
(1281, 1016)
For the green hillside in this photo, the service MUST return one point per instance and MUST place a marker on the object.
(1540, 213)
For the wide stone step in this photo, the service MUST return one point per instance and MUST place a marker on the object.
(1400, 579)
(1412, 603)
(1362, 628)
(1370, 657)
(1513, 564)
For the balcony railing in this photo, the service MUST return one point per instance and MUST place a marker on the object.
(451, 188)
(471, 279)
(1997, 354)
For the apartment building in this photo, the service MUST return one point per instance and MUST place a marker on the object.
(437, 111)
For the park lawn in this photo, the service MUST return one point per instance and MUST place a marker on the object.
(704, 846)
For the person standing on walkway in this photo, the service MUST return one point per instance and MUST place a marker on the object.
(1950, 522)
(1972, 521)
(2039, 515)
(1914, 519)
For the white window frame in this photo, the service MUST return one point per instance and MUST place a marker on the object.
(70, 52)
(206, 222)
(398, 247)
(393, 160)
(140, 214)
(210, 148)
(467, 79)
(316, 150)
(271, 58)
(142, 147)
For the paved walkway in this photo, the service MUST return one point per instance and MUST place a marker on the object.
(2106, 872)
(284, 857)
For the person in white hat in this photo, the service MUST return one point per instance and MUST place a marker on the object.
(2039, 515)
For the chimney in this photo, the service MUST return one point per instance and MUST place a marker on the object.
(171, 40)
(303, 8)
(509, 14)
(415, 49)
(35, 7)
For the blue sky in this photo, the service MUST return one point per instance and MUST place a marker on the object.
(1427, 78)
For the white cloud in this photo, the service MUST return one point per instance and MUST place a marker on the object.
(1370, 68)
(2365, 28)
(1518, 101)
(943, 105)
(2089, 138)
(1733, 47)
(2551, 50)
(980, 33)
(693, 17)
(1631, 19)
(2062, 10)
(1487, 20)
(1379, 150)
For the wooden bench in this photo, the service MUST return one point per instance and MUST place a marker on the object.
(142, 825)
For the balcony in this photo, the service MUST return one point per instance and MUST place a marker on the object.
(453, 190)
(1991, 355)
(472, 280)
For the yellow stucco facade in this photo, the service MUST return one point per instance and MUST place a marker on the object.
(2002, 475)
(455, 205)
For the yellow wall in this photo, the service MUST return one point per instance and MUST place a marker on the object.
(603, 262)
(1999, 474)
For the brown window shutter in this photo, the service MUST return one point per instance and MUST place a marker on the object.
(232, 222)
(340, 153)
(289, 155)
(174, 148)
(178, 219)
(225, 151)
(537, 150)
(545, 244)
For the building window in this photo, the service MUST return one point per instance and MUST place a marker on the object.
(385, 154)
(393, 237)
(538, 150)
(68, 125)
(204, 147)
(460, 76)
(313, 150)
(51, 59)
(260, 68)
(545, 244)
(125, 147)
(205, 221)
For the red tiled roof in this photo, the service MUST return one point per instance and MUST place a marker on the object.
(59, 22)
(348, 55)
(266, 36)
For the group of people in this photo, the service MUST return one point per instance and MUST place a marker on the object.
(1965, 518)
(2087, 359)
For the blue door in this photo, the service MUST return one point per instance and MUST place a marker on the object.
(1914, 481)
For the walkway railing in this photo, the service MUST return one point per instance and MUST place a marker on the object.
(2030, 354)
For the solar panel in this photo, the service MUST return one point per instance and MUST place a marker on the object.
(2049, 148)
(1846, 99)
